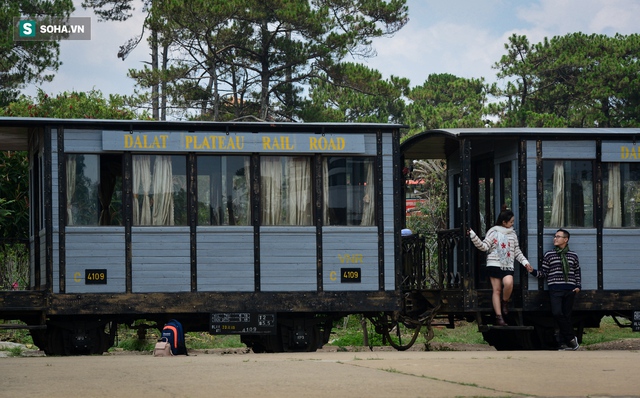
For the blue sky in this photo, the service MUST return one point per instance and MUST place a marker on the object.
(461, 37)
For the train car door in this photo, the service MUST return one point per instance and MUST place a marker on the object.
(482, 204)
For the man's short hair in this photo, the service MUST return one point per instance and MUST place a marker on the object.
(565, 232)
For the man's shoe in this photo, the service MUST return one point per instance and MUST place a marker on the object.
(573, 345)
(500, 321)
(563, 347)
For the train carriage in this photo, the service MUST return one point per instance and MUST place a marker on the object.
(584, 180)
(267, 230)
(273, 231)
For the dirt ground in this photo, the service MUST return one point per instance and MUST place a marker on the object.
(609, 370)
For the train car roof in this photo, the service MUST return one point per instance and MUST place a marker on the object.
(14, 130)
(437, 144)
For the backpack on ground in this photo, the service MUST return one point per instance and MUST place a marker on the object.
(174, 334)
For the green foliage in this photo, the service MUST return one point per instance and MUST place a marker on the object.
(447, 101)
(20, 336)
(432, 205)
(14, 190)
(14, 266)
(355, 93)
(226, 59)
(576, 80)
(23, 62)
(72, 105)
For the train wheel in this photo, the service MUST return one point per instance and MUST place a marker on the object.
(395, 333)
(56, 341)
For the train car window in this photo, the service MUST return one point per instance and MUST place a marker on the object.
(223, 190)
(349, 191)
(621, 185)
(159, 190)
(285, 190)
(568, 193)
(94, 189)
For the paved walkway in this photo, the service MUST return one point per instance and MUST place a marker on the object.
(328, 374)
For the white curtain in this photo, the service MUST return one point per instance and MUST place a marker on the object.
(141, 186)
(368, 201)
(299, 191)
(71, 186)
(271, 189)
(557, 205)
(613, 217)
(163, 191)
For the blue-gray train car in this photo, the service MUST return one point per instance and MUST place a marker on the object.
(274, 231)
(586, 181)
(267, 230)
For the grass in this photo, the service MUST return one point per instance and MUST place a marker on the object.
(349, 333)
(608, 331)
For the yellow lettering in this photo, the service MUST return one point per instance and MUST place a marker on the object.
(164, 140)
(188, 140)
(77, 277)
(266, 142)
(324, 144)
(128, 141)
(239, 142)
(156, 142)
(353, 259)
(333, 275)
(624, 152)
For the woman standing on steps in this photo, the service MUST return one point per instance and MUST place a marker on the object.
(501, 245)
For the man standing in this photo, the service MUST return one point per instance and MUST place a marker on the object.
(561, 268)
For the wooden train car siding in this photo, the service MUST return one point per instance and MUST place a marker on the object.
(288, 259)
(225, 259)
(96, 248)
(356, 248)
(621, 254)
(565, 150)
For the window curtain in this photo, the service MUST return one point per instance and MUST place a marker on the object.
(71, 186)
(368, 201)
(299, 191)
(141, 186)
(557, 204)
(271, 190)
(163, 191)
(613, 217)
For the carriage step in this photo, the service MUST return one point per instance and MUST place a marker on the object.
(23, 326)
(486, 328)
